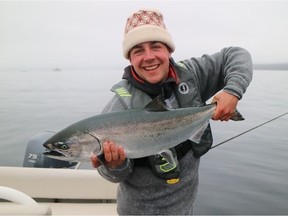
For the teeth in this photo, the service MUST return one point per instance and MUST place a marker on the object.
(151, 67)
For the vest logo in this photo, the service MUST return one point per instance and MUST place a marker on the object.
(183, 88)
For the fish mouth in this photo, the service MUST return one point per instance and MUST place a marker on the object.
(51, 153)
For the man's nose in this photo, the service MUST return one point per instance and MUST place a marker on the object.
(148, 54)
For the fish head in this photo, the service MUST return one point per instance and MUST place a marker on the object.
(62, 149)
(77, 147)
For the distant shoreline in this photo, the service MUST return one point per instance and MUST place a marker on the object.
(270, 66)
(279, 66)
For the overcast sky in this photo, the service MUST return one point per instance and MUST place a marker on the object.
(88, 34)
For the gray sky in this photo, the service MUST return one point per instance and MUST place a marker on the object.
(88, 34)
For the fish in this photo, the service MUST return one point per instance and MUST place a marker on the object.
(141, 132)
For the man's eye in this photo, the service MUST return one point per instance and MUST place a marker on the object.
(136, 51)
(156, 47)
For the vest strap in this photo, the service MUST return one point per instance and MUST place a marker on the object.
(181, 151)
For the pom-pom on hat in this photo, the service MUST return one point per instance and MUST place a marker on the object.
(143, 26)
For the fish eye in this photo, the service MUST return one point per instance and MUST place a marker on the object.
(64, 147)
(61, 145)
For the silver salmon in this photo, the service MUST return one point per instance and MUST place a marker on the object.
(141, 132)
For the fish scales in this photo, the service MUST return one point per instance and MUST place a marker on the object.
(140, 132)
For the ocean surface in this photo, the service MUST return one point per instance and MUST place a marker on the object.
(247, 175)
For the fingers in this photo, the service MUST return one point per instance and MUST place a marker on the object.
(110, 151)
(114, 156)
(122, 155)
(222, 114)
(226, 106)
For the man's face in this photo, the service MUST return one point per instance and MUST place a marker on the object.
(150, 61)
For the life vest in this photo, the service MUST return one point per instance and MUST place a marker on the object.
(186, 92)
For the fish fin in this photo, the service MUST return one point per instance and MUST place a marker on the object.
(197, 134)
(157, 104)
(168, 156)
(237, 116)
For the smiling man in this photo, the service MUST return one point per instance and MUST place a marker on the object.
(149, 185)
(151, 61)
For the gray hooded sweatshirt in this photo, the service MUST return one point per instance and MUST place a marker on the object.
(140, 192)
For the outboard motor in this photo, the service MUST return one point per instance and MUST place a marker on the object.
(34, 156)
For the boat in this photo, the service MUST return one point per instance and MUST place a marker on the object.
(56, 69)
(36, 190)
(56, 192)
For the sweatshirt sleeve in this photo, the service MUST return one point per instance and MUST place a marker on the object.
(121, 173)
(230, 69)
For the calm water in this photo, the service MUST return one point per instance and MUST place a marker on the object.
(247, 175)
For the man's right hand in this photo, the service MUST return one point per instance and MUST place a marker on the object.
(114, 156)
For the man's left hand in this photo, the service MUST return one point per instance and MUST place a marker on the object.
(226, 106)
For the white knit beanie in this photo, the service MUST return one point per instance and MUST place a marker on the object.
(143, 26)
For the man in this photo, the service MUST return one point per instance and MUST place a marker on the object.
(145, 186)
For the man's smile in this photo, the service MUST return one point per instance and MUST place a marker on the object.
(149, 68)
